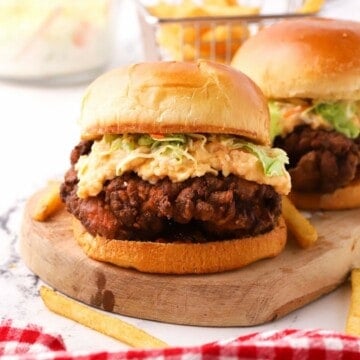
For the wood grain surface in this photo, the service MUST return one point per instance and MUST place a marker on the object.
(256, 294)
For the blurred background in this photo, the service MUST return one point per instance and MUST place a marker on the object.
(72, 41)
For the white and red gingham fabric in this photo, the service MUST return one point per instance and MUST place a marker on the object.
(31, 343)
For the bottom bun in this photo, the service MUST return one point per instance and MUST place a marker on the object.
(343, 198)
(182, 258)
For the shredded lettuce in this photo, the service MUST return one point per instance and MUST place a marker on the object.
(145, 140)
(153, 157)
(174, 138)
(340, 115)
(130, 142)
(175, 148)
(275, 120)
(272, 160)
(137, 146)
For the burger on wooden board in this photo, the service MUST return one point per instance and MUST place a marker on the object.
(309, 69)
(174, 173)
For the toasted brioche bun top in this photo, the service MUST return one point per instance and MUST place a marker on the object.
(309, 57)
(175, 97)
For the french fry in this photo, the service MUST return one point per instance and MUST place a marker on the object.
(311, 6)
(234, 10)
(49, 202)
(353, 318)
(98, 321)
(304, 232)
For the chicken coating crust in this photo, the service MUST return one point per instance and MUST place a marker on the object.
(320, 160)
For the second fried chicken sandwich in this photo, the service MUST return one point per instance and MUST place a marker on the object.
(309, 69)
(173, 173)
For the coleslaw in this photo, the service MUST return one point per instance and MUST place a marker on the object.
(41, 38)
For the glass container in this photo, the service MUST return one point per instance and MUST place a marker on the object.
(55, 40)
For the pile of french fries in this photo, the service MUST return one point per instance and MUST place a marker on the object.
(204, 40)
(212, 40)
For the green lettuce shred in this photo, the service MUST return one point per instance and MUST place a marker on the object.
(340, 115)
(272, 160)
(275, 120)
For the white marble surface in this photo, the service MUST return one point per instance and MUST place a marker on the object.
(38, 129)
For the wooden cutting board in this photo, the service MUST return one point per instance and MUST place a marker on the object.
(258, 293)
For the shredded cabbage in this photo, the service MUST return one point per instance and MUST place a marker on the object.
(340, 115)
(174, 148)
(179, 157)
(275, 120)
(272, 160)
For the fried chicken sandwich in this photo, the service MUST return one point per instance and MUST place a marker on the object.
(309, 69)
(173, 173)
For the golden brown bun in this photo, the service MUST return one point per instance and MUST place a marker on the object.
(308, 57)
(182, 258)
(173, 97)
(344, 198)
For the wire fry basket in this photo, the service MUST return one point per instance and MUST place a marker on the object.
(207, 37)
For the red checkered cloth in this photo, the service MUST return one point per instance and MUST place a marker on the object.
(31, 343)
